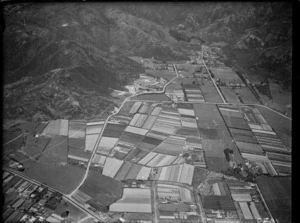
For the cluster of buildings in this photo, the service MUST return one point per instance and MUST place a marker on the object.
(28, 202)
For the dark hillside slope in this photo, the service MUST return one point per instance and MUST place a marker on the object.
(58, 55)
(256, 36)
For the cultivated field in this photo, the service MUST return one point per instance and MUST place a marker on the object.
(230, 95)
(281, 125)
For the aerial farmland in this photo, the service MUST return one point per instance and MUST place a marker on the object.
(193, 152)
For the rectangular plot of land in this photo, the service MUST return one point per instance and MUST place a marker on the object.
(123, 147)
(194, 142)
(135, 107)
(103, 150)
(111, 167)
(255, 126)
(99, 159)
(165, 173)
(114, 130)
(79, 155)
(90, 142)
(282, 169)
(64, 127)
(54, 128)
(77, 143)
(121, 174)
(163, 128)
(175, 173)
(157, 135)
(141, 121)
(188, 132)
(231, 113)
(136, 155)
(243, 135)
(279, 157)
(188, 112)
(250, 148)
(147, 158)
(238, 123)
(151, 140)
(260, 118)
(146, 146)
(108, 142)
(187, 174)
(168, 121)
(149, 122)
(93, 129)
(133, 172)
(135, 119)
(156, 111)
(246, 211)
(156, 160)
(135, 130)
(230, 95)
(119, 155)
(168, 160)
(144, 173)
(131, 138)
(241, 197)
(169, 149)
(250, 117)
(77, 129)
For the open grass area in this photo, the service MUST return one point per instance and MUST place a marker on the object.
(62, 178)
(102, 188)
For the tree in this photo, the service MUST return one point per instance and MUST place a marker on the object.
(64, 214)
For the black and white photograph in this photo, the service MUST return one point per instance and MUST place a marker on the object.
(147, 112)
